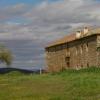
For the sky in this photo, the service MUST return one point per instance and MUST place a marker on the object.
(27, 26)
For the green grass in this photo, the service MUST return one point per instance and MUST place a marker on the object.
(67, 85)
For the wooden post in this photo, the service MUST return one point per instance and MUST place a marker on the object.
(40, 71)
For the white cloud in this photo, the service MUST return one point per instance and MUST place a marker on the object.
(55, 18)
(14, 11)
(47, 21)
(50, 20)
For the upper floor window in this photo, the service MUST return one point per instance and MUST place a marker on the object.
(98, 48)
(59, 47)
(48, 50)
(64, 46)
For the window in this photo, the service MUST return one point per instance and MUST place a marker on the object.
(87, 64)
(67, 59)
(98, 48)
(64, 46)
(81, 65)
(59, 47)
(48, 50)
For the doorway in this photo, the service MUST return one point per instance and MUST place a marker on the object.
(67, 59)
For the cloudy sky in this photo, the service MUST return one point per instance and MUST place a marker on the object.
(27, 26)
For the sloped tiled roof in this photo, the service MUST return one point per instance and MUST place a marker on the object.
(72, 37)
(65, 39)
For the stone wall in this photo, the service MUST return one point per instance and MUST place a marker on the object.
(76, 54)
(83, 52)
(98, 50)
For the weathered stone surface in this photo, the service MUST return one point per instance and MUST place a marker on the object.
(76, 54)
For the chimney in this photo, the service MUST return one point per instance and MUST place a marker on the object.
(78, 34)
(86, 30)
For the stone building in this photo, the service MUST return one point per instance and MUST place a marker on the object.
(78, 50)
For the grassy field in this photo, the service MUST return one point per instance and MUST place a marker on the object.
(67, 85)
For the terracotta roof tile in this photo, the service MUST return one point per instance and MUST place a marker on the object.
(65, 39)
(72, 37)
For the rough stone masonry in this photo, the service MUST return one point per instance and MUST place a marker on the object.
(78, 50)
